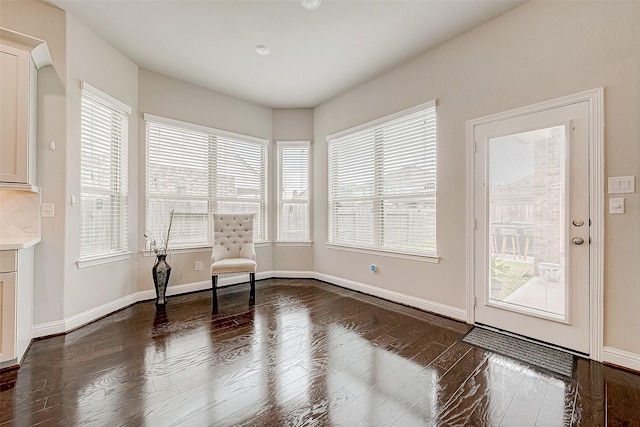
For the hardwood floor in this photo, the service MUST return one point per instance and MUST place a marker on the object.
(307, 353)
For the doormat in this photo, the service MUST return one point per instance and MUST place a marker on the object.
(534, 354)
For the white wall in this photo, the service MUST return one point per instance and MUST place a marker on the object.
(536, 52)
(290, 125)
(91, 59)
(167, 97)
(47, 23)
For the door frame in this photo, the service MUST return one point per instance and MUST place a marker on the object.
(595, 98)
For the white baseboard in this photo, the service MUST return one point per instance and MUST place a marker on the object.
(66, 325)
(73, 322)
(291, 274)
(423, 304)
(622, 358)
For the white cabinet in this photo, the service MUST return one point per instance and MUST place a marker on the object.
(20, 58)
(8, 273)
(15, 66)
(16, 305)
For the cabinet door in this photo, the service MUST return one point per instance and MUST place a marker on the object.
(14, 114)
(7, 316)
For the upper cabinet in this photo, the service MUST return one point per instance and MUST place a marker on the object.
(20, 58)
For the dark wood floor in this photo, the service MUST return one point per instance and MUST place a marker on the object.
(307, 353)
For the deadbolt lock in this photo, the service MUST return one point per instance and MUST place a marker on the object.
(577, 240)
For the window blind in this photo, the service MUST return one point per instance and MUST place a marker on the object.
(293, 185)
(103, 174)
(382, 184)
(241, 180)
(178, 179)
(195, 172)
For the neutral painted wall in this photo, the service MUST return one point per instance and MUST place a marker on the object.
(167, 97)
(290, 125)
(46, 22)
(539, 51)
(114, 74)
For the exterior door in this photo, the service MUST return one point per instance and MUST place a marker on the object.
(531, 210)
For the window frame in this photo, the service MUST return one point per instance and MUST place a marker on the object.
(378, 195)
(307, 201)
(214, 135)
(118, 177)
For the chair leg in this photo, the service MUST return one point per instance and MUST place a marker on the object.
(252, 295)
(214, 294)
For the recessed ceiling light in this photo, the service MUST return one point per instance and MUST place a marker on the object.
(310, 4)
(262, 50)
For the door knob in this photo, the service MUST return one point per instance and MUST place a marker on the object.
(577, 240)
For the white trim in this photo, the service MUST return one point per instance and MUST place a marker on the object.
(378, 121)
(195, 249)
(38, 48)
(150, 294)
(19, 187)
(595, 97)
(66, 325)
(204, 129)
(305, 144)
(49, 328)
(105, 97)
(622, 358)
(596, 202)
(284, 243)
(390, 254)
(102, 259)
(41, 56)
(423, 304)
(292, 274)
(471, 224)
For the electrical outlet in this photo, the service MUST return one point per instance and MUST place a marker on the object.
(198, 265)
(47, 210)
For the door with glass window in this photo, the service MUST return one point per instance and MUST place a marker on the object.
(531, 210)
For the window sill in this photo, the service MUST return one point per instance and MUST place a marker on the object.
(103, 259)
(283, 243)
(382, 252)
(187, 250)
(147, 253)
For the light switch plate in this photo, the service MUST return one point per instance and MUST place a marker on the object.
(616, 205)
(47, 210)
(622, 184)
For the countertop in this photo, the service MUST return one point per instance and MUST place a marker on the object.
(12, 243)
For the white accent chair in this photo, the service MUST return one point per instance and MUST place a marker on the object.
(233, 250)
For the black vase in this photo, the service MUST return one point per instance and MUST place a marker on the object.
(161, 271)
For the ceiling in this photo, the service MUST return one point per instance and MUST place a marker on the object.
(315, 55)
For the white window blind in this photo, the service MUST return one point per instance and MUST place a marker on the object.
(103, 174)
(197, 171)
(382, 184)
(293, 185)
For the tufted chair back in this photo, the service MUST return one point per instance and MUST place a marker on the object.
(233, 237)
